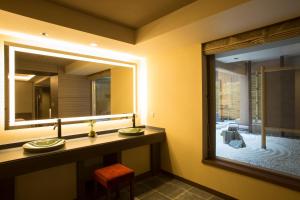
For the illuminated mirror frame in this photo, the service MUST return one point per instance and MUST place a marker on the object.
(12, 49)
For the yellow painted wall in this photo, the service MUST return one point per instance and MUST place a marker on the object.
(175, 93)
(53, 183)
(137, 159)
(121, 90)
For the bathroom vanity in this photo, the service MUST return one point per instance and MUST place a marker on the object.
(47, 86)
(14, 161)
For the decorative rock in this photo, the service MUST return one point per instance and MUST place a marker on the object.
(233, 127)
(229, 136)
(237, 144)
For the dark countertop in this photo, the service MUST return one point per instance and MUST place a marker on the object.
(14, 161)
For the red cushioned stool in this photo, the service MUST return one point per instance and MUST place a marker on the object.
(114, 176)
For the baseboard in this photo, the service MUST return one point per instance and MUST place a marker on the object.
(212, 191)
(142, 176)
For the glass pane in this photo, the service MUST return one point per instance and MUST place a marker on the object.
(103, 96)
(56, 87)
(258, 106)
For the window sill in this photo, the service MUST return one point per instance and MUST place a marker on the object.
(256, 172)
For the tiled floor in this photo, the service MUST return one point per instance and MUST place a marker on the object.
(163, 187)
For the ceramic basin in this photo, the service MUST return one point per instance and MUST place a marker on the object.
(131, 131)
(44, 145)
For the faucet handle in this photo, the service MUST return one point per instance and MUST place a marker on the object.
(56, 124)
(133, 120)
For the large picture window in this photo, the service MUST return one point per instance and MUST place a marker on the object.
(253, 115)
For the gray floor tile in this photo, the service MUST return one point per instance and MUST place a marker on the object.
(165, 177)
(180, 184)
(200, 193)
(162, 187)
(141, 190)
(189, 196)
(154, 182)
(155, 196)
(170, 190)
(215, 198)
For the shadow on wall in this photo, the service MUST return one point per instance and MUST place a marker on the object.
(165, 157)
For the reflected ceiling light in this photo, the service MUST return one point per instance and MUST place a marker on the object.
(93, 44)
(23, 77)
(44, 34)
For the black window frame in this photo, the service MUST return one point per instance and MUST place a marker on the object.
(209, 50)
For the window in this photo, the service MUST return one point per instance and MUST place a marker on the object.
(253, 113)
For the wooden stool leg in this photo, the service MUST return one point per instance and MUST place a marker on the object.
(117, 192)
(95, 190)
(109, 195)
(131, 190)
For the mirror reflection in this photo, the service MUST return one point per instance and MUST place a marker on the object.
(54, 87)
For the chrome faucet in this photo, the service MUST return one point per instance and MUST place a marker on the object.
(133, 120)
(58, 125)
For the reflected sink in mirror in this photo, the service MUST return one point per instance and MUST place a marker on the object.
(44, 145)
(131, 131)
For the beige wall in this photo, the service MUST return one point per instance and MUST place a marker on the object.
(140, 165)
(121, 90)
(24, 97)
(49, 184)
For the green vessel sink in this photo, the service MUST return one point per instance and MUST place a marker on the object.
(44, 145)
(131, 131)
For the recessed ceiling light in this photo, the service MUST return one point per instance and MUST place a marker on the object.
(44, 34)
(93, 44)
(23, 77)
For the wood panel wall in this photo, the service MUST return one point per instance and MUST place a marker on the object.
(74, 95)
(280, 31)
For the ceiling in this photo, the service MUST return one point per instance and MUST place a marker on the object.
(71, 67)
(290, 47)
(84, 68)
(110, 21)
(131, 13)
(56, 61)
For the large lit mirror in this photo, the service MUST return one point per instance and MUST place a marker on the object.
(45, 85)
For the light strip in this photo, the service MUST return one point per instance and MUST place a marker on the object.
(143, 91)
(134, 90)
(25, 77)
(45, 53)
(11, 85)
(70, 119)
